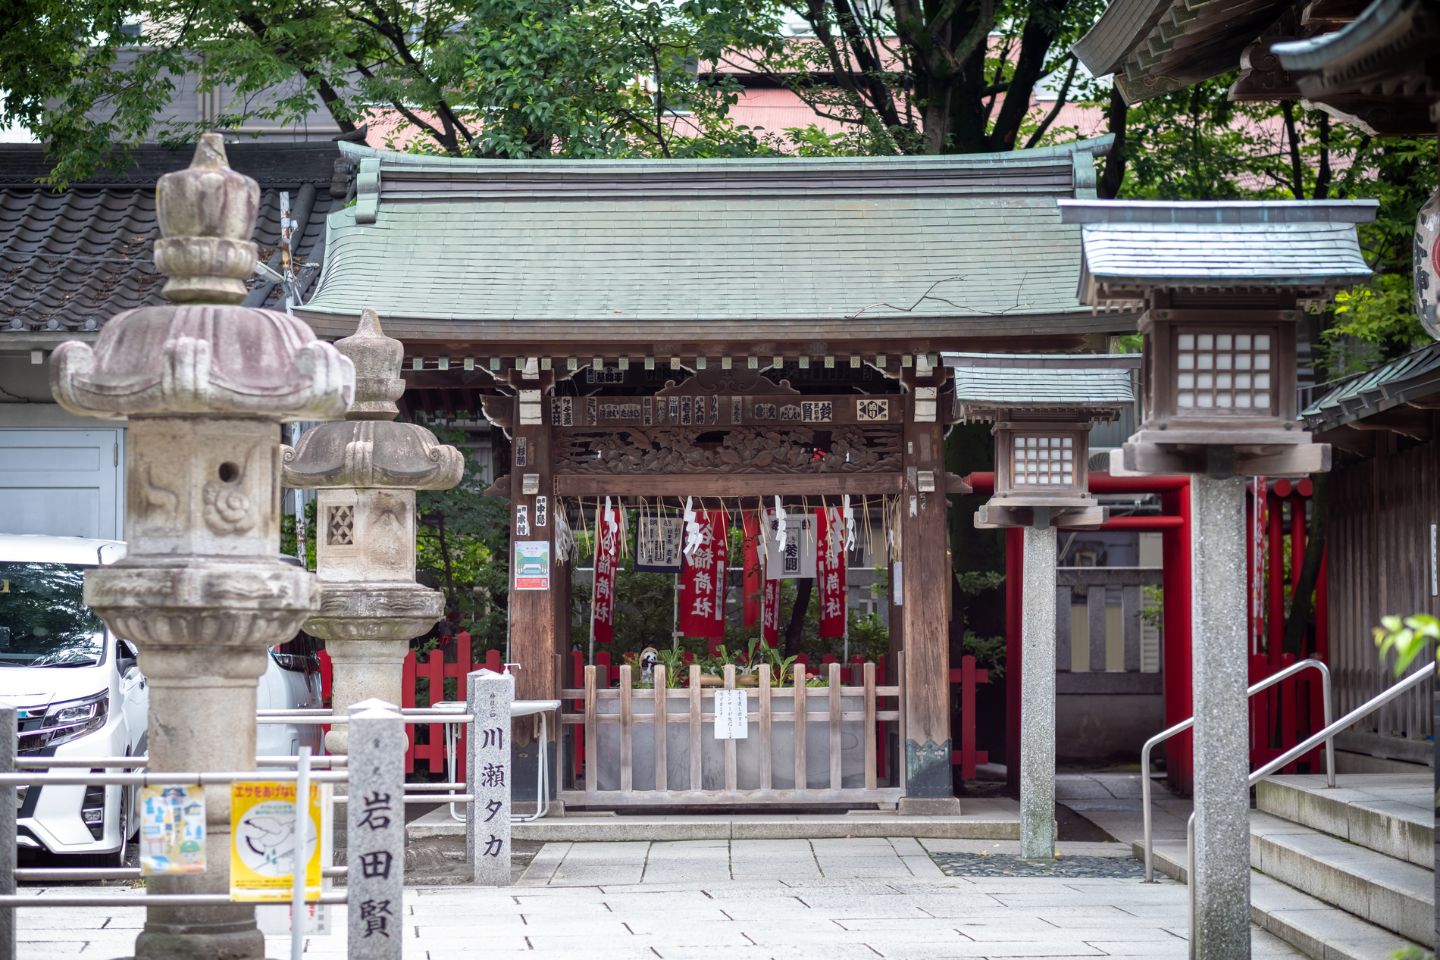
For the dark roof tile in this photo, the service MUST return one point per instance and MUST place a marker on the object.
(71, 260)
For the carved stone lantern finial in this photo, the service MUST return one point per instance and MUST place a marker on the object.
(367, 469)
(206, 214)
(377, 360)
(202, 591)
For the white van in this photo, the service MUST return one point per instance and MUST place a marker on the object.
(79, 692)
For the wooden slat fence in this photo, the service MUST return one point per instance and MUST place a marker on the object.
(656, 747)
(1378, 557)
(1099, 630)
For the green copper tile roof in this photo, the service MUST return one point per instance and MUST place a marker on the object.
(777, 249)
(1412, 376)
(1011, 381)
(1298, 245)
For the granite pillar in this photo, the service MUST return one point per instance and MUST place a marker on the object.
(1221, 885)
(1037, 693)
(488, 767)
(375, 832)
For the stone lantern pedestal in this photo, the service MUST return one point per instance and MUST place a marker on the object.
(367, 469)
(1042, 408)
(202, 592)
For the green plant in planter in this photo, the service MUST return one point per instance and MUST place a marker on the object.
(674, 663)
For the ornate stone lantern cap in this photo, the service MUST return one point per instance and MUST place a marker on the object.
(207, 355)
(369, 448)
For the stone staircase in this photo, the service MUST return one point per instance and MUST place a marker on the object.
(1344, 873)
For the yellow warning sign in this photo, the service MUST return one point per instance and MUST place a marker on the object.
(263, 842)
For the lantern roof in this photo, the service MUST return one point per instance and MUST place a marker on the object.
(1128, 247)
(991, 386)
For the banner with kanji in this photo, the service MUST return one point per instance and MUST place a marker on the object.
(770, 613)
(607, 565)
(702, 581)
(830, 570)
(754, 578)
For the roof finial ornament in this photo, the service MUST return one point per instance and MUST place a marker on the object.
(207, 217)
(377, 360)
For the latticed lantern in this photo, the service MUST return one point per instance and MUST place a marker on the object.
(1042, 408)
(1221, 287)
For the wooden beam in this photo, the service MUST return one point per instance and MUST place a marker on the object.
(747, 484)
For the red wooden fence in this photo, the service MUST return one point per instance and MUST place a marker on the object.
(427, 741)
(967, 677)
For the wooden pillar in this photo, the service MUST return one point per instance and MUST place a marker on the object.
(925, 608)
(532, 612)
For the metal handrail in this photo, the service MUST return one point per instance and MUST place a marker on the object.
(1186, 724)
(1294, 753)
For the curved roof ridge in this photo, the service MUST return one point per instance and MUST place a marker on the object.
(393, 161)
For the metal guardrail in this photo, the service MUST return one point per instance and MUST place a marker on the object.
(18, 771)
(1294, 753)
(1186, 724)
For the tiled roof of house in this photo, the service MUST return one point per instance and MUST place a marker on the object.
(71, 260)
(742, 250)
(1411, 377)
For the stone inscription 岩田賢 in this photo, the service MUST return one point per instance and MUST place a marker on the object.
(375, 831)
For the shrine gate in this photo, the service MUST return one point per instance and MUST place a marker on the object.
(746, 336)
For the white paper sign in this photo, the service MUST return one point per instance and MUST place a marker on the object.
(273, 919)
(797, 557)
(732, 720)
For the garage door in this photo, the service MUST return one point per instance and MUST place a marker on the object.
(61, 482)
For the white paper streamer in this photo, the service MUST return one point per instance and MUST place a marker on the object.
(782, 536)
(693, 537)
(849, 514)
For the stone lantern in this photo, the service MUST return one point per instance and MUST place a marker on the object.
(1042, 408)
(1219, 287)
(202, 591)
(367, 468)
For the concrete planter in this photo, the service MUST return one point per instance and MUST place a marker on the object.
(748, 752)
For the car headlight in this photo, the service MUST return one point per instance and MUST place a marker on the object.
(72, 719)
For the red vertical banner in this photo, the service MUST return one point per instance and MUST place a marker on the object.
(754, 576)
(702, 581)
(770, 613)
(830, 571)
(607, 564)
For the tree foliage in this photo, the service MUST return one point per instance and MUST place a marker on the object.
(927, 78)
(488, 78)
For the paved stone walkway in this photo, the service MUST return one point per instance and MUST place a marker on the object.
(741, 900)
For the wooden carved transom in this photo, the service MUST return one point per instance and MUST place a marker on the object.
(742, 450)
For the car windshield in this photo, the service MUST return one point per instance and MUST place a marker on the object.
(44, 621)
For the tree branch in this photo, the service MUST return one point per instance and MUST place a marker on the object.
(1055, 110)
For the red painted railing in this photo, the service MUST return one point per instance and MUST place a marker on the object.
(426, 750)
(968, 678)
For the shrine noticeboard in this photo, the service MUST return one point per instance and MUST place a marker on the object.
(532, 565)
(263, 842)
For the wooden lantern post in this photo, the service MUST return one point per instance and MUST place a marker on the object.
(1221, 286)
(1042, 408)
